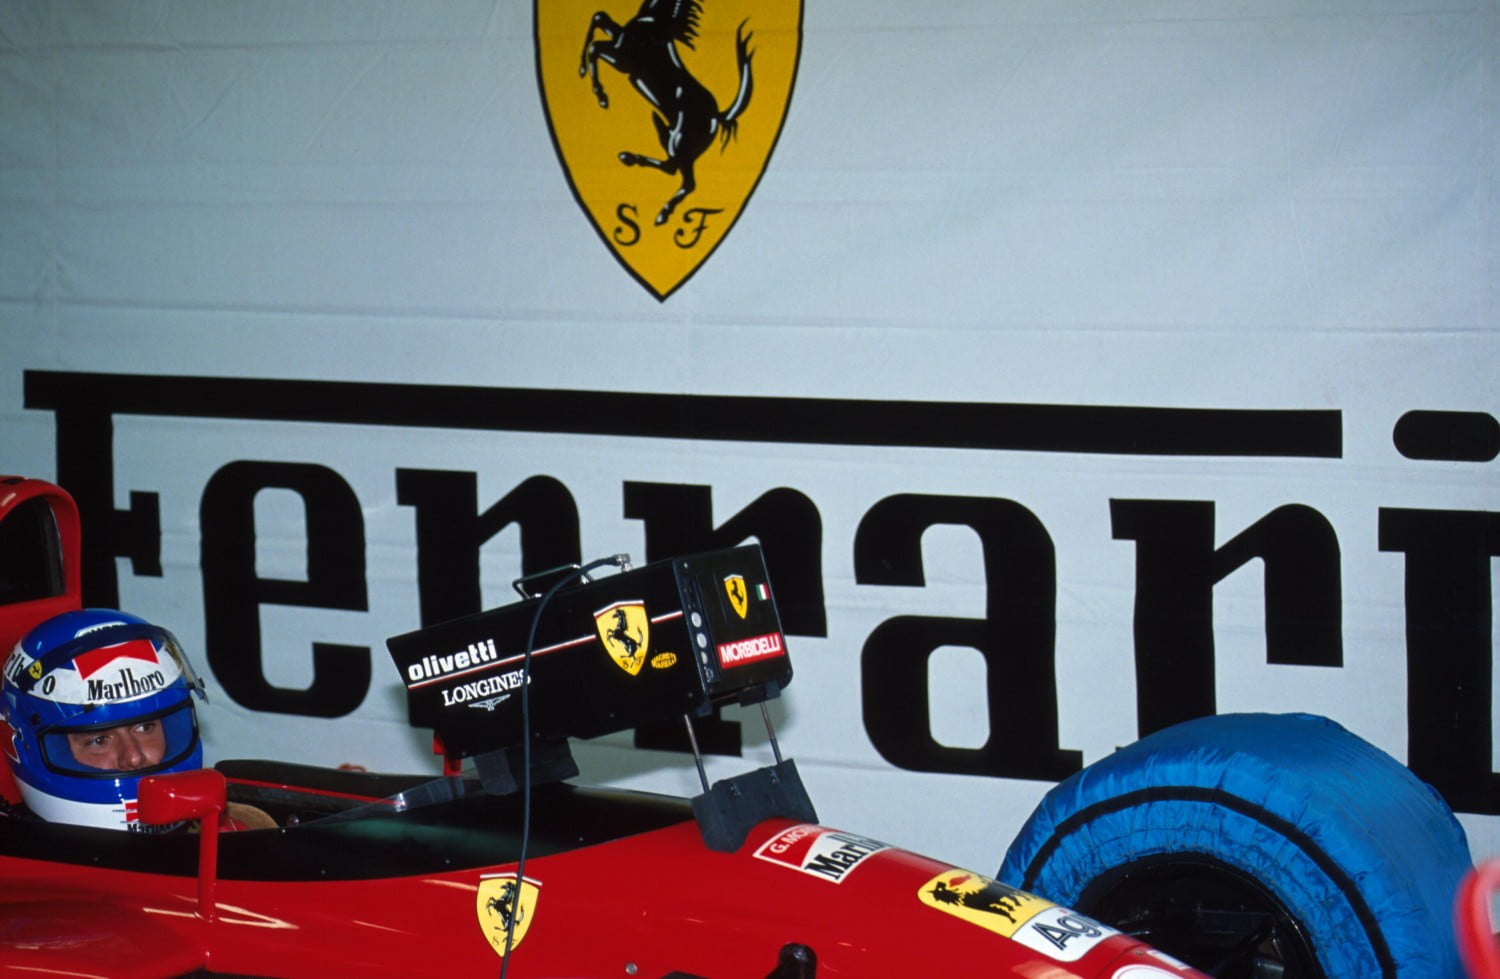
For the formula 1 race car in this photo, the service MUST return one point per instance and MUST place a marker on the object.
(501, 865)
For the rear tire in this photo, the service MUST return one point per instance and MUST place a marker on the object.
(1254, 846)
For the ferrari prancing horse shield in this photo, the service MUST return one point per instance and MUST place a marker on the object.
(666, 120)
(498, 901)
(739, 600)
(625, 630)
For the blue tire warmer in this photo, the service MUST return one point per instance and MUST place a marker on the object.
(1363, 854)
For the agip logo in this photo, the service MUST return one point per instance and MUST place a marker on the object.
(666, 120)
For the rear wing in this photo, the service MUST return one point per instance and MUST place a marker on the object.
(672, 639)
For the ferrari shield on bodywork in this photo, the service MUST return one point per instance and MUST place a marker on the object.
(505, 909)
(666, 121)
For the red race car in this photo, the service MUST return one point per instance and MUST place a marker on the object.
(501, 866)
(1253, 846)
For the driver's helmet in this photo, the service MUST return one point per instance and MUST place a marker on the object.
(96, 699)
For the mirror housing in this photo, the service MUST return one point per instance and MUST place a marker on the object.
(181, 796)
(202, 795)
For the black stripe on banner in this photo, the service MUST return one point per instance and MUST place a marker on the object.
(1101, 429)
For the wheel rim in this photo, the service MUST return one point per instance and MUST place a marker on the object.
(1206, 913)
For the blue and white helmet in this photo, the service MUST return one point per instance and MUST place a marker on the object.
(96, 699)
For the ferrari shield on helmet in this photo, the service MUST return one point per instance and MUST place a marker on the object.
(97, 699)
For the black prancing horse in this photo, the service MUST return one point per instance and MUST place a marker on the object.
(621, 634)
(505, 905)
(687, 116)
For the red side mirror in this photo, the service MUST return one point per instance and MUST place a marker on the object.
(175, 798)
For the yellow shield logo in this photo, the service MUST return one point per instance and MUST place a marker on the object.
(734, 587)
(666, 121)
(981, 901)
(500, 900)
(625, 630)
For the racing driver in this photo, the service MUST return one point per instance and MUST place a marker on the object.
(97, 699)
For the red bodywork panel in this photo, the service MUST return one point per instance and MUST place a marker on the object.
(653, 905)
(40, 575)
(1478, 944)
(39, 537)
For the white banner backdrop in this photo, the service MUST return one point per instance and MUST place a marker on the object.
(1275, 214)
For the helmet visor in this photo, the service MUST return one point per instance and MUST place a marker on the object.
(138, 746)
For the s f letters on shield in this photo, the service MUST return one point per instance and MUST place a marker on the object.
(666, 122)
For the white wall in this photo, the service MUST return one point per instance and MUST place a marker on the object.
(1284, 206)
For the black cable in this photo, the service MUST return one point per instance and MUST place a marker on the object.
(621, 561)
